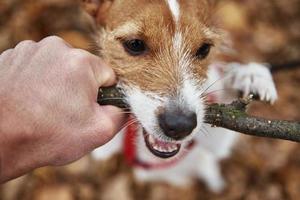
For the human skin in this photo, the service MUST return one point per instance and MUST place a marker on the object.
(48, 110)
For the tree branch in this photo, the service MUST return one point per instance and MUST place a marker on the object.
(290, 65)
(232, 116)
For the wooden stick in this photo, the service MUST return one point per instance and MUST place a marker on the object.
(231, 116)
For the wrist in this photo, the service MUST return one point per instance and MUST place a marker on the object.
(19, 153)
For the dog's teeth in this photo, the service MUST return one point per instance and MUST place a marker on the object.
(163, 149)
(168, 148)
(156, 148)
(151, 139)
(161, 146)
(172, 149)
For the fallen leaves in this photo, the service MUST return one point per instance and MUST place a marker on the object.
(258, 169)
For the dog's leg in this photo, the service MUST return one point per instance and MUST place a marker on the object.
(212, 147)
(218, 141)
(112, 147)
(214, 144)
(173, 176)
(208, 170)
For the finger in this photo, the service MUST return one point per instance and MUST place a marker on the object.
(55, 41)
(108, 122)
(6, 54)
(104, 75)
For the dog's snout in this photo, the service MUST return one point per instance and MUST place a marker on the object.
(177, 124)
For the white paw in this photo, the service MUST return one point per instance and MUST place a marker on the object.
(253, 78)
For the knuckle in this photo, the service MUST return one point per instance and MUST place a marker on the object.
(76, 64)
(53, 40)
(80, 53)
(78, 58)
(6, 53)
(24, 45)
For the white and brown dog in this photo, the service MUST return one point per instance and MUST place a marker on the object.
(160, 50)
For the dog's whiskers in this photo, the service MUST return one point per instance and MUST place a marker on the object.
(216, 81)
(129, 123)
(204, 128)
(214, 91)
(122, 113)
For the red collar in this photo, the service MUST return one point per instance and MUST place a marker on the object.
(131, 154)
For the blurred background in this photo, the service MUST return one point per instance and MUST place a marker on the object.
(259, 169)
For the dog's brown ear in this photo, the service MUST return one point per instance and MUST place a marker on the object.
(97, 9)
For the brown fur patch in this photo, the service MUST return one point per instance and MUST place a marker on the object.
(158, 70)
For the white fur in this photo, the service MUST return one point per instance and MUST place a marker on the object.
(175, 9)
(203, 160)
(212, 144)
(144, 105)
(177, 43)
(177, 40)
(190, 99)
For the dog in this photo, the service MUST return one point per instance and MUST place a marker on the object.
(161, 51)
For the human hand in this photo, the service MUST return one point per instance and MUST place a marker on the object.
(48, 113)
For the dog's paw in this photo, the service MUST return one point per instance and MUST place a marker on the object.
(253, 78)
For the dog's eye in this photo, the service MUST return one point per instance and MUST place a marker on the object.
(203, 51)
(135, 47)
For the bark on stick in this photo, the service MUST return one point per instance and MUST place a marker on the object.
(231, 116)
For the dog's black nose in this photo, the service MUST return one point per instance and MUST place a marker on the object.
(177, 124)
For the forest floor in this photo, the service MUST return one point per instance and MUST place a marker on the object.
(259, 168)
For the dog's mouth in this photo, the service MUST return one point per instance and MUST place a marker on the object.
(160, 148)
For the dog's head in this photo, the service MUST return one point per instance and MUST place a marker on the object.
(159, 49)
